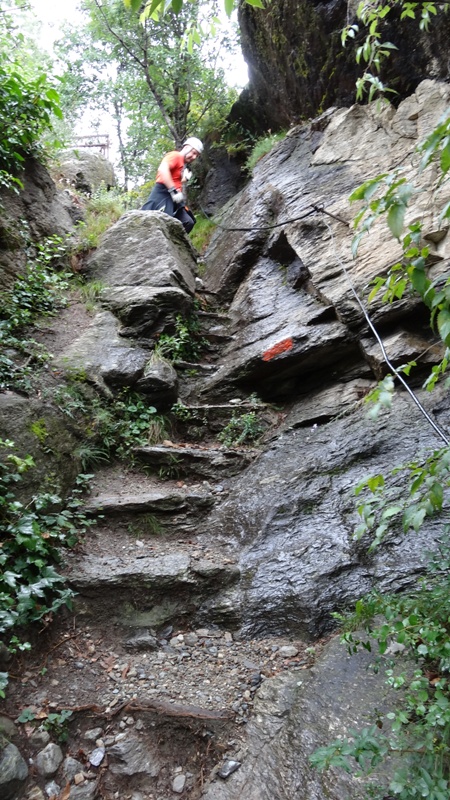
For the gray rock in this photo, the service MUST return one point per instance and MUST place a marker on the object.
(131, 756)
(39, 738)
(38, 205)
(34, 793)
(295, 713)
(58, 464)
(178, 784)
(159, 382)
(97, 756)
(294, 516)
(288, 651)
(93, 734)
(86, 791)
(71, 767)
(52, 789)
(148, 266)
(48, 760)
(84, 170)
(7, 727)
(101, 354)
(228, 768)
(141, 641)
(13, 771)
(287, 337)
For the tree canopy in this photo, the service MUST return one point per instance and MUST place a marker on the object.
(157, 90)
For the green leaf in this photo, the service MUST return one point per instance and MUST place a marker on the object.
(443, 323)
(256, 3)
(229, 7)
(396, 218)
(445, 158)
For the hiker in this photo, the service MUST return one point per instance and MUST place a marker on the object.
(167, 193)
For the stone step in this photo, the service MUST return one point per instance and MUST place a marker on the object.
(154, 502)
(206, 462)
(147, 586)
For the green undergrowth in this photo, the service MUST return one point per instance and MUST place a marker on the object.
(41, 290)
(202, 232)
(31, 538)
(261, 147)
(186, 343)
(112, 426)
(242, 429)
(101, 210)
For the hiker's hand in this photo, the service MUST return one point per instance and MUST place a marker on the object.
(177, 197)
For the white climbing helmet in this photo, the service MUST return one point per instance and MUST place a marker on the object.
(194, 143)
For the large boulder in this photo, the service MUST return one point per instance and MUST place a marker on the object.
(103, 357)
(298, 67)
(42, 431)
(148, 268)
(291, 517)
(84, 171)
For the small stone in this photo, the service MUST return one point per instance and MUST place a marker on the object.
(78, 778)
(71, 767)
(97, 756)
(39, 738)
(228, 768)
(49, 759)
(179, 783)
(34, 793)
(288, 651)
(52, 789)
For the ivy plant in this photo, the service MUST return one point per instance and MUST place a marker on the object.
(31, 537)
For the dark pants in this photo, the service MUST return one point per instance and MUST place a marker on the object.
(160, 200)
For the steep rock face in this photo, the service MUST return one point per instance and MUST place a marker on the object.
(298, 67)
(299, 336)
(34, 212)
(296, 323)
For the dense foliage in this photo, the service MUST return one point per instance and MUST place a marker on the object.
(28, 104)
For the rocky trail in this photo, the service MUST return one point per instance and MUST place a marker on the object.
(200, 659)
(156, 703)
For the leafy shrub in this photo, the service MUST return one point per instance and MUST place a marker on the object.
(26, 109)
(186, 343)
(113, 426)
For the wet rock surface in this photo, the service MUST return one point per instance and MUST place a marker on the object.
(193, 662)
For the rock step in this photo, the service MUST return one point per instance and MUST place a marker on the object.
(147, 588)
(149, 502)
(213, 315)
(213, 463)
